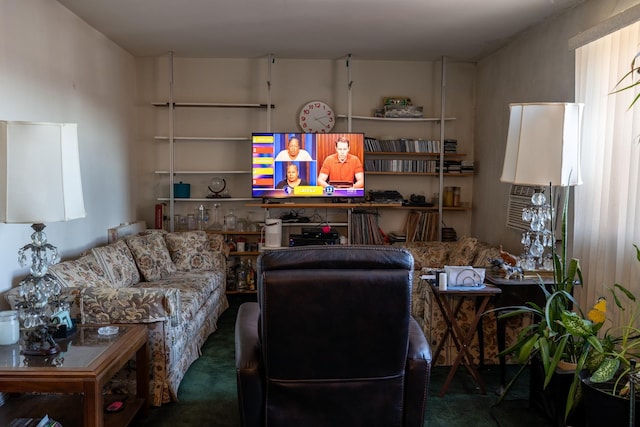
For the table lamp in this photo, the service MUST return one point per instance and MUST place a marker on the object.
(543, 151)
(39, 182)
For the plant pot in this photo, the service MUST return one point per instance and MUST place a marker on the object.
(601, 407)
(551, 401)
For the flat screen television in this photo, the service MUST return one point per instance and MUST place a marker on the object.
(323, 165)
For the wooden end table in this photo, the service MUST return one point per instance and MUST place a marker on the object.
(515, 292)
(75, 377)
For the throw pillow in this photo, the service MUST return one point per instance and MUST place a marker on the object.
(190, 250)
(151, 255)
(117, 263)
(79, 272)
(217, 244)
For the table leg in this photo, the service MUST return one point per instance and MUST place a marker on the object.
(142, 376)
(442, 302)
(464, 356)
(93, 403)
(502, 329)
(480, 331)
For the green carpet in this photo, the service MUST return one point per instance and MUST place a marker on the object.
(207, 394)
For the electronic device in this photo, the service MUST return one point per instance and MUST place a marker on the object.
(301, 240)
(320, 233)
(271, 161)
(388, 196)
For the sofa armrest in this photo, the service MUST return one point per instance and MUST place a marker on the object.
(248, 376)
(417, 377)
(129, 305)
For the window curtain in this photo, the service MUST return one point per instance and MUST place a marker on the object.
(607, 205)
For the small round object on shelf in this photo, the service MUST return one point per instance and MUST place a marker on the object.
(217, 187)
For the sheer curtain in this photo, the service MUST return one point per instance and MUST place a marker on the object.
(607, 205)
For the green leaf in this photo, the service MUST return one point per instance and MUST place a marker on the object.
(606, 370)
(576, 325)
(527, 348)
(550, 368)
(626, 291)
(595, 343)
(594, 361)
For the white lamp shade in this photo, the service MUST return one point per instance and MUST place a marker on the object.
(40, 172)
(543, 144)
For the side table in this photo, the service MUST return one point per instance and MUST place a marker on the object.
(515, 292)
(69, 385)
(444, 300)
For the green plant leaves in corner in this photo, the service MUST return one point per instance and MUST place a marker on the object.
(606, 371)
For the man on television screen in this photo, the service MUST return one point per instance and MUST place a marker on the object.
(342, 169)
(293, 152)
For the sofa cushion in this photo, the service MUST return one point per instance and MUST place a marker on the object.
(463, 251)
(151, 255)
(190, 250)
(218, 244)
(428, 254)
(117, 263)
(220, 248)
(81, 272)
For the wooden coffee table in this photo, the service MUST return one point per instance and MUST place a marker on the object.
(69, 385)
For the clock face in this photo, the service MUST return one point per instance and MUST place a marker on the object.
(316, 117)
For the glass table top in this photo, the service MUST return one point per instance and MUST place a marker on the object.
(78, 350)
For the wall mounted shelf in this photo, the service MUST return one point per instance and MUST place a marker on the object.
(396, 119)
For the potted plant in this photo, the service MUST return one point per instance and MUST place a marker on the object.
(607, 375)
(565, 340)
(547, 342)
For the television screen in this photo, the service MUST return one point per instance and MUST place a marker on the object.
(307, 165)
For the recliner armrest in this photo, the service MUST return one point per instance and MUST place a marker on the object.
(417, 376)
(250, 386)
(419, 348)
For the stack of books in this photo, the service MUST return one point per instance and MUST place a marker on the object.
(397, 236)
(451, 146)
(467, 166)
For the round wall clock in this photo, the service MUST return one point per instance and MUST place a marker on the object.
(316, 117)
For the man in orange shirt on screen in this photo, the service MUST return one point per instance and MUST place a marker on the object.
(342, 169)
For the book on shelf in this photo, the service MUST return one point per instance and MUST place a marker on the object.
(34, 422)
(406, 145)
(421, 226)
(365, 229)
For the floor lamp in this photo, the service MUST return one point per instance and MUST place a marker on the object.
(543, 151)
(39, 183)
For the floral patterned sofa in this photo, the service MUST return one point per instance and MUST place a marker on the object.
(172, 282)
(435, 255)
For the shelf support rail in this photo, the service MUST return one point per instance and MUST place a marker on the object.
(349, 93)
(271, 60)
(171, 140)
(443, 99)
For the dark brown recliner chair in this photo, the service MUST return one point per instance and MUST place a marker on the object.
(331, 340)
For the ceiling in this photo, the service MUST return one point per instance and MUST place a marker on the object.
(315, 29)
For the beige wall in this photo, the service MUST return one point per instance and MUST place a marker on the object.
(537, 66)
(55, 68)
